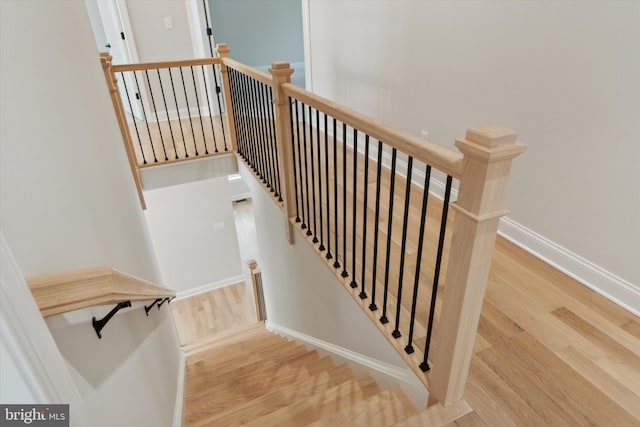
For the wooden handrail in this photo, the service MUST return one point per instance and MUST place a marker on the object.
(110, 77)
(249, 71)
(64, 292)
(165, 64)
(445, 160)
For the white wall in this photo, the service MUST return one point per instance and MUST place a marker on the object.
(153, 41)
(194, 235)
(128, 377)
(68, 200)
(96, 24)
(563, 74)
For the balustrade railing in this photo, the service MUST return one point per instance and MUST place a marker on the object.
(170, 111)
(361, 193)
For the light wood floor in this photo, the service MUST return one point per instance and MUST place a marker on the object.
(174, 140)
(202, 317)
(549, 351)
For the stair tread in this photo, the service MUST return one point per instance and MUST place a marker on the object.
(226, 361)
(381, 410)
(240, 333)
(281, 397)
(436, 415)
(306, 411)
(255, 341)
(220, 398)
(251, 373)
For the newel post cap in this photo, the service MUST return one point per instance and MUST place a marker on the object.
(223, 49)
(490, 142)
(281, 69)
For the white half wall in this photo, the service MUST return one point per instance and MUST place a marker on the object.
(562, 74)
(194, 235)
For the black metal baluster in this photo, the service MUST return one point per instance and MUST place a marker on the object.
(234, 104)
(326, 175)
(336, 263)
(293, 153)
(436, 274)
(407, 201)
(304, 215)
(164, 99)
(262, 132)
(259, 124)
(186, 99)
(153, 103)
(245, 120)
(416, 280)
(354, 250)
(274, 140)
(251, 145)
(133, 116)
(313, 177)
(267, 132)
(237, 113)
(321, 247)
(344, 201)
(306, 173)
(376, 222)
(394, 154)
(206, 95)
(144, 115)
(195, 90)
(175, 98)
(363, 294)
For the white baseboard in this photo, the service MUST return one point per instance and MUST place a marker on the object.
(177, 412)
(596, 278)
(584, 271)
(401, 374)
(605, 283)
(209, 286)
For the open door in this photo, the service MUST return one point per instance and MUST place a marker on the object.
(119, 43)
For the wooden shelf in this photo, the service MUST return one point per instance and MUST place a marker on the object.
(64, 292)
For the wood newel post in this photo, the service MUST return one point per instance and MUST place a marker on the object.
(281, 73)
(488, 152)
(223, 51)
(253, 270)
(116, 100)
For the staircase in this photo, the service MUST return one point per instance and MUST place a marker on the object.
(251, 376)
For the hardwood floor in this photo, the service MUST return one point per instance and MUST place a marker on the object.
(172, 140)
(202, 317)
